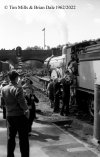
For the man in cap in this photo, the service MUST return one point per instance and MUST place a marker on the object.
(17, 114)
(66, 82)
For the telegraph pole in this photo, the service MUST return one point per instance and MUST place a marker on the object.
(44, 37)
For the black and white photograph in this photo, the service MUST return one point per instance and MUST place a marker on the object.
(49, 78)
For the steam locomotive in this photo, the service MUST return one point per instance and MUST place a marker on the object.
(88, 65)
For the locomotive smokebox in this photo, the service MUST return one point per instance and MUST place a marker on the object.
(97, 111)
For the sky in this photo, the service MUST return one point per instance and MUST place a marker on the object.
(23, 27)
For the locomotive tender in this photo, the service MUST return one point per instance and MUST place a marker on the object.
(88, 61)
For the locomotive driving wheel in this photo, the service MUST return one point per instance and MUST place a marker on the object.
(91, 106)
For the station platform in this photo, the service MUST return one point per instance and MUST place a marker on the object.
(48, 140)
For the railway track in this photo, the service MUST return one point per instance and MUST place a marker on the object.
(38, 86)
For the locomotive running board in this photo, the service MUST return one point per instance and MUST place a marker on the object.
(86, 90)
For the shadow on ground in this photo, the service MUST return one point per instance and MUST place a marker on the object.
(36, 135)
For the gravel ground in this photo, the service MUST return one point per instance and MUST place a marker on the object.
(44, 109)
(76, 127)
(79, 126)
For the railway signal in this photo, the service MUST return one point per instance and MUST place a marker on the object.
(19, 58)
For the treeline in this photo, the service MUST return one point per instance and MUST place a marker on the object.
(86, 42)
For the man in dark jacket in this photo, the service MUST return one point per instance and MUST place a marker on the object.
(57, 93)
(31, 100)
(29, 86)
(66, 94)
(17, 114)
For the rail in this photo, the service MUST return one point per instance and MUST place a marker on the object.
(42, 82)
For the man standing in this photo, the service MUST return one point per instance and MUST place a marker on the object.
(56, 95)
(17, 114)
(66, 94)
(73, 68)
(50, 92)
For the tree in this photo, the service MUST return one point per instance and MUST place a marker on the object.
(33, 48)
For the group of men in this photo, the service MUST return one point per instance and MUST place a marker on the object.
(64, 89)
(59, 91)
(19, 99)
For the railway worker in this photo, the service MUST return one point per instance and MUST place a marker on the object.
(73, 90)
(31, 100)
(73, 68)
(17, 115)
(57, 94)
(73, 65)
(29, 85)
(50, 92)
(65, 81)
